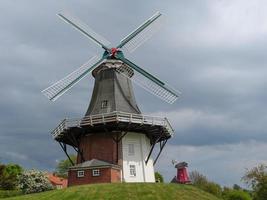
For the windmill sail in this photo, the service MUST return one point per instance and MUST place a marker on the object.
(60, 87)
(142, 33)
(85, 29)
(130, 42)
(150, 83)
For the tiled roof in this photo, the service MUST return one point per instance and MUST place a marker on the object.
(93, 163)
(55, 180)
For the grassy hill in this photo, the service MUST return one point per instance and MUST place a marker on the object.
(123, 191)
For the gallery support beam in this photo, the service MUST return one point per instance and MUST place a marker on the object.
(161, 144)
(64, 147)
(152, 147)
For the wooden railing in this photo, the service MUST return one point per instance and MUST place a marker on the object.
(112, 117)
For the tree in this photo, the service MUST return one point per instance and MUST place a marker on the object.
(201, 181)
(63, 166)
(32, 181)
(212, 188)
(159, 177)
(197, 178)
(257, 179)
(9, 176)
(236, 187)
(2, 168)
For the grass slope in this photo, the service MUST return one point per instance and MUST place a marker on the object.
(9, 193)
(123, 191)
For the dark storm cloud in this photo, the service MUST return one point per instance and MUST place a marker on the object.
(213, 51)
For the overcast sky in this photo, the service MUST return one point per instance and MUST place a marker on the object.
(213, 51)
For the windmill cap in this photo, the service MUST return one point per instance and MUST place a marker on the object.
(115, 64)
(181, 165)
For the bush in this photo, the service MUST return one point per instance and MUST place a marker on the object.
(257, 179)
(261, 191)
(203, 183)
(236, 195)
(33, 181)
(197, 179)
(159, 177)
(9, 176)
(212, 188)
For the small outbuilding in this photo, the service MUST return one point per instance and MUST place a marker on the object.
(57, 182)
(94, 171)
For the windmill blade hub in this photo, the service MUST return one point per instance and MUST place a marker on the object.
(112, 53)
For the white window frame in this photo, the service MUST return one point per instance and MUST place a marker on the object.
(132, 170)
(131, 149)
(96, 172)
(80, 173)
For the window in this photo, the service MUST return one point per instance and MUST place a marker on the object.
(96, 172)
(130, 149)
(80, 174)
(132, 170)
(104, 104)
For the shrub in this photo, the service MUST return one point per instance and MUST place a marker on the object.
(33, 181)
(203, 183)
(236, 195)
(212, 188)
(159, 177)
(197, 179)
(9, 176)
(257, 179)
(261, 191)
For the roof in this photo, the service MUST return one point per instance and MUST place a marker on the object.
(181, 165)
(114, 88)
(93, 163)
(55, 180)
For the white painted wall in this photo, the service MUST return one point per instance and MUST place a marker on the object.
(144, 173)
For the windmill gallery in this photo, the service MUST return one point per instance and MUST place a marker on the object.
(114, 141)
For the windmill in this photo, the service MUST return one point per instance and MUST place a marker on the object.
(113, 137)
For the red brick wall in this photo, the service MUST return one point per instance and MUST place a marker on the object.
(99, 146)
(107, 175)
(115, 176)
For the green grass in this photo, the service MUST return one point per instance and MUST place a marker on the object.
(123, 191)
(9, 193)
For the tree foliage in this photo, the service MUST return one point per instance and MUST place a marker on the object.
(213, 188)
(32, 181)
(261, 190)
(201, 181)
(234, 194)
(197, 178)
(9, 176)
(159, 177)
(257, 179)
(63, 166)
(236, 187)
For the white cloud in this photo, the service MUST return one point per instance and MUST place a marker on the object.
(187, 118)
(224, 23)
